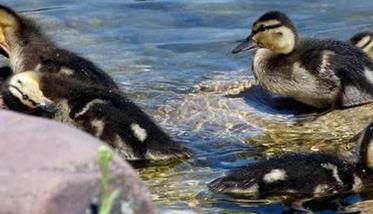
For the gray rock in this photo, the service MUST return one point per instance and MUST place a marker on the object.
(47, 167)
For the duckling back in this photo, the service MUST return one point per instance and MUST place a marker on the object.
(299, 174)
(116, 120)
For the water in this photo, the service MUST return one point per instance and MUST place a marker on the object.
(159, 50)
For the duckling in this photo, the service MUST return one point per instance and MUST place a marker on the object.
(363, 40)
(325, 74)
(29, 49)
(303, 174)
(106, 114)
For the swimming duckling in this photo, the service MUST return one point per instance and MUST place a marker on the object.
(106, 114)
(303, 174)
(364, 40)
(319, 73)
(29, 49)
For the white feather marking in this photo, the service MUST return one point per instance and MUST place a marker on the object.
(370, 155)
(369, 75)
(369, 47)
(37, 67)
(274, 175)
(324, 67)
(364, 41)
(334, 170)
(88, 106)
(358, 184)
(139, 132)
(66, 71)
(99, 125)
(320, 189)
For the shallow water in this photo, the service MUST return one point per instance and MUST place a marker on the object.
(159, 50)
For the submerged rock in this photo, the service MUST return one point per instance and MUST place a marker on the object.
(46, 167)
(245, 110)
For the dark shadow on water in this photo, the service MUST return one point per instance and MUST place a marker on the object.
(329, 204)
(263, 101)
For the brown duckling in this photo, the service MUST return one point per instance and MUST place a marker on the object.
(325, 74)
(303, 175)
(28, 48)
(106, 114)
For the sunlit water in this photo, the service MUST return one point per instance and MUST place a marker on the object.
(160, 50)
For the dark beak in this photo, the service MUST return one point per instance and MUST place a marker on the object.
(46, 105)
(245, 45)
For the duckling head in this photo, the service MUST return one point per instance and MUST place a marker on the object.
(274, 31)
(24, 88)
(9, 25)
(364, 41)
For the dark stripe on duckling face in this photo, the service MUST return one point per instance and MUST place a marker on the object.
(24, 96)
(264, 27)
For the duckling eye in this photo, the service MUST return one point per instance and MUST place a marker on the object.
(262, 28)
(19, 81)
(25, 97)
(279, 33)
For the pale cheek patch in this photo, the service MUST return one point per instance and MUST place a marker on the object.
(139, 132)
(275, 175)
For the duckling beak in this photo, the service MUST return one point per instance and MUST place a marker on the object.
(46, 105)
(246, 44)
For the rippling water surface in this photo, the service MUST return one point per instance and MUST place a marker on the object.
(160, 50)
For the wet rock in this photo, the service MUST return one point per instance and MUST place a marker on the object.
(46, 167)
(276, 124)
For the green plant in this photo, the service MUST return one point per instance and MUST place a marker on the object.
(107, 199)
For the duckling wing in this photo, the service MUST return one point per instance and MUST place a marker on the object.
(353, 96)
(357, 82)
(340, 67)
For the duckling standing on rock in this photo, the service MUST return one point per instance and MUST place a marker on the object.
(303, 175)
(106, 114)
(320, 73)
(29, 49)
(364, 40)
